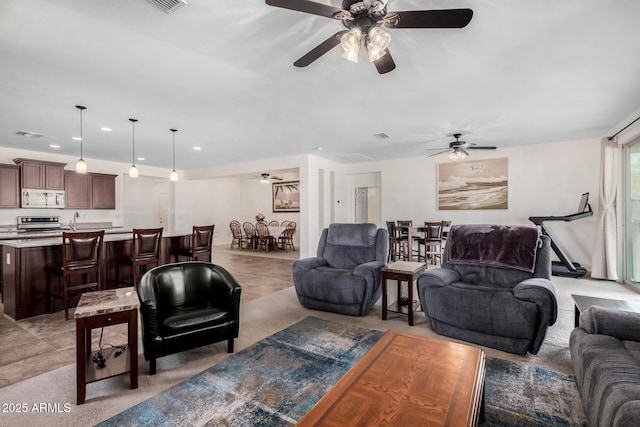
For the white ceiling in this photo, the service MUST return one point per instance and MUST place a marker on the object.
(221, 72)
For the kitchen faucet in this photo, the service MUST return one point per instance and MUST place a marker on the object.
(72, 225)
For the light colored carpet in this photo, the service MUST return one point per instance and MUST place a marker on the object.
(259, 318)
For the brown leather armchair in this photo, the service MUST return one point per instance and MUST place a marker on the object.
(187, 305)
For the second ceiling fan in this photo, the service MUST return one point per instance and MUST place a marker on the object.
(363, 20)
(458, 149)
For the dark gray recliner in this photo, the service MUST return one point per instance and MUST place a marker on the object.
(494, 288)
(345, 275)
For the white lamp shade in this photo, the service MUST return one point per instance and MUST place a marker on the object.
(81, 166)
(133, 171)
(173, 176)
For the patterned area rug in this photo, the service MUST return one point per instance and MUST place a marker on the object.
(277, 380)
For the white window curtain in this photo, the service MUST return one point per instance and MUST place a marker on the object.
(604, 260)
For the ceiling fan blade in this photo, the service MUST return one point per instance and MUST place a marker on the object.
(482, 147)
(440, 152)
(319, 50)
(306, 6)
(448, 18)
(385, 63)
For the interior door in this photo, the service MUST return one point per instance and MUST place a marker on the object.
(362, 205)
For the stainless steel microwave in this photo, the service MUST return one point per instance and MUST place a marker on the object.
(52, 199)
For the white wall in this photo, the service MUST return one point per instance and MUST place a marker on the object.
(544, 179)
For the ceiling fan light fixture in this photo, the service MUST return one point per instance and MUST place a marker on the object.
(457, 155)
(351, 42)
(377, 42)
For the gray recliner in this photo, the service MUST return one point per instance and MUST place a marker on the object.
(345, 275)
(494, 288)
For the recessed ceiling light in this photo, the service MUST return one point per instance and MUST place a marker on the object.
(106, 129)
(197, 148)
(142, 159)
(382, 135)
(319, 148)
(56, 146)
(76, 138)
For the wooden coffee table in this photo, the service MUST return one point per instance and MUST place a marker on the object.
(583, 302)
(407, 380)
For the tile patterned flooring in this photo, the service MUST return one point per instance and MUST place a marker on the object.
(33, 346)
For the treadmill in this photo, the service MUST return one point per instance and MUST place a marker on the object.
(565, 267)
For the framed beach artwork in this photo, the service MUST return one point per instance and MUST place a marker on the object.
(473, 184)
(286, 196)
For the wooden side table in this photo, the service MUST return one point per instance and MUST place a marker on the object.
(402, 271)
(100, 309)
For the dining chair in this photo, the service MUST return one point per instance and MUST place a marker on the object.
(395, 247)
(236, 232)
(285, 240)
(284, 223)
(81, 256)
(274, 223)
(431, 242)
(403, 237)
(201, 239)
(145, 252)
(264, 239)
(250, 235)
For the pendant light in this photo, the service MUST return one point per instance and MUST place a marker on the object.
(81, 166)
(133, 170)
(173, 176)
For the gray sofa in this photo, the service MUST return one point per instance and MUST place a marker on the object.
(493, 287)
(605, 350)
(345, 275)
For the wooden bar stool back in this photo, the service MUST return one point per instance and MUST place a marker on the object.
(146, 252)
(81, 256)
(201, 240)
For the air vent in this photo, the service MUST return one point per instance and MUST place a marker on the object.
(168, 6)
(29, 134)
(382, 135)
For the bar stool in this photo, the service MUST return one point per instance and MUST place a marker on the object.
(201, 239)
(81, 255)
(146, 251)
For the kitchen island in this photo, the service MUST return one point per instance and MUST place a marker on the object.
(24, 279)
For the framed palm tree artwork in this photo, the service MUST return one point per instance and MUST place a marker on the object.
(286, 196)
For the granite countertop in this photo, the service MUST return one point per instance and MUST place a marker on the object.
(49, 239)
(108, 301)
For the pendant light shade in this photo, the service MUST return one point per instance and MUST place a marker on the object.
(133, 170)
(173, 176)
(81, 165)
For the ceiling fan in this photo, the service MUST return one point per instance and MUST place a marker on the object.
(265, 178)
(458, 149)
(363, 20)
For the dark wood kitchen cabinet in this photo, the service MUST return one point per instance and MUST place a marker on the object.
(38, 174)
(9, 186)
(103, 191)
(77, 189)
(90, 191)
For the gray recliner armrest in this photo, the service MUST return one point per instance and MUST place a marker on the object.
(362, 269)
(439, 277)
(540, 291)
(623, 325)
(307, 264)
